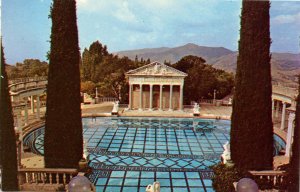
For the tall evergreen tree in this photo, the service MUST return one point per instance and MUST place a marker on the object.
(63, 129)
(252, 129)
(295, 159)
(8, 156)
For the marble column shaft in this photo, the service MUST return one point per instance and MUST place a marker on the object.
(171, 96)
(151, 97)
(283, 116)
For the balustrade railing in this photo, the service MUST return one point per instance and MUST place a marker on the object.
(28, 79)
(123, 105)
(287, 91)
(105, 99)
(270, 179)
(46, 176)
(209, 101)
(27, 85)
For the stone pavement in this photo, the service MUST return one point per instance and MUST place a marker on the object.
(31, 160)
(206, 111)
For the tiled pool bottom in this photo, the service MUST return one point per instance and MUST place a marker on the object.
(131, 181)
(127, 154)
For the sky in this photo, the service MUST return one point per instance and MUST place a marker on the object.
(135, 24)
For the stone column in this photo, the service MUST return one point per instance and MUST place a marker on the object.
(19, 155)
(151, 97)
(181, 98)
(277, 109)
(273, 107)
(130, 96)
(283, 116)
(38, 107)
(96, 98)
(215, 93)
(20, 130)
(141, 97)
(290, 135)
(18, 120)
(32, 103)
(171, 96)
(160, 96)
(26, 114)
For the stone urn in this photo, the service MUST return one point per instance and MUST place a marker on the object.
(83, 165)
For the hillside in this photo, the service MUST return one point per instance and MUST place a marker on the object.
(174, 54)
(285, 66)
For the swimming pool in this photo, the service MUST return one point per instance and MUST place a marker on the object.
(127, 154)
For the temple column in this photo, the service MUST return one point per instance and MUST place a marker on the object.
(283, 116)
(141, 97)
(171, 96)
(32, 103)
(181, 98)
(151, 97)
(130, 96)
(290, 135)
(277, 109)
(160, 96)
(38, 107)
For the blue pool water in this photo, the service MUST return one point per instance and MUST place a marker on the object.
(127, 154)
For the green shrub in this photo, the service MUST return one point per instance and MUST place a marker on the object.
(224, 176)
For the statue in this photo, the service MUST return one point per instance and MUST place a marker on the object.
(196, 109)
(230, 101)
(153, 188)
(226, 156)
(85, 152)
(156, 69)
(115, 108)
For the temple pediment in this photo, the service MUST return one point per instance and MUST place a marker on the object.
(156, 69)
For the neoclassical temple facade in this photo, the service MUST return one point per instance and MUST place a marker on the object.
(156, 87)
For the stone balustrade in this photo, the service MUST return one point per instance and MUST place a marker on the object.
(28, 79)
(27, 85)
(39, 178)
(270, 178)
(106, 99)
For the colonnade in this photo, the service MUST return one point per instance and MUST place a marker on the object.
(35, 109)
(142, 103)
(278, 106)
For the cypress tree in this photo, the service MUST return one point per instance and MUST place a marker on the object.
(8, 150)
(252, 129)
(63, 129)
(295, 160)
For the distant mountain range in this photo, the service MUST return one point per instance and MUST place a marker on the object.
(285, 66)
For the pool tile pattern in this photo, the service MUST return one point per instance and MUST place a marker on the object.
(138, 181)
(127, 154)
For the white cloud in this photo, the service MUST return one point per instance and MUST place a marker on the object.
(286, 19)
(94, 5)
(123, 13)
